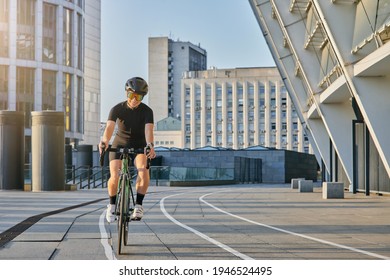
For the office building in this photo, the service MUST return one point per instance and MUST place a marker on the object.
(168, 59)
(239, 108)
(50, 60)
(333, 57)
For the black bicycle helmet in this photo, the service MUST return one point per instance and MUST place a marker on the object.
(137, 85)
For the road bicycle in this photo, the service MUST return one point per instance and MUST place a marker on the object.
(125, 202)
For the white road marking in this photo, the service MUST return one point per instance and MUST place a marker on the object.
(104, 238)
(294, 233)
(202, 235)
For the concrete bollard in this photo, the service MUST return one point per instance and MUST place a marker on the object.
(11, 150)
(48, 151)
(294, 182)
(305, 186)
(332, 190)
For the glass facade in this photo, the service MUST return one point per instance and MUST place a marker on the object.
(4, 15)
(3, 87)
(25, 82)
(49, 33)
(67, 37)
(67, 100)
(43, 65)
(49, 83)
(25, 35)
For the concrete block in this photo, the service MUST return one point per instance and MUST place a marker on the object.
(332, 190)
(294, 182)
(305, 186)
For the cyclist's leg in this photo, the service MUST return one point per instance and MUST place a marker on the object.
(143, 179)
(112, 184)
(112, 187)
(141, 185)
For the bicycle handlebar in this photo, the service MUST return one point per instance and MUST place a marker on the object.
(125, 151)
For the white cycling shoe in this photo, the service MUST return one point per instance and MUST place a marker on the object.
(138, 213)
(110, 213)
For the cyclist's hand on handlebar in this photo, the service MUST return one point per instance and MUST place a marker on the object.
(149, 152)
(102, 146)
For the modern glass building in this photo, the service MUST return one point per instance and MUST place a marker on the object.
(50, 60)
(334, 57)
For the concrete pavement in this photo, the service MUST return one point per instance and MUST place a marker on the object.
(270, 222)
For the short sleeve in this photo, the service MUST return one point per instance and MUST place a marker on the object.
(113, 115)
(149, 116)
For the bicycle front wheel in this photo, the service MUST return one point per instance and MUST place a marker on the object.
(122, 215)
(126, 211)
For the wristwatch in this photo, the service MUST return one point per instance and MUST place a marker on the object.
(151, 145)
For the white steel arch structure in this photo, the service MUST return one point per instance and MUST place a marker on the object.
(333, 57)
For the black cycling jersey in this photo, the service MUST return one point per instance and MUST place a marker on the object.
(131, 125)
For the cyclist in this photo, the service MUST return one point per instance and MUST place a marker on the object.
(135, 130)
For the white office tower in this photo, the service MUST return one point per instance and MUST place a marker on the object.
(50, 60)
(239, 108)
(334, 60)
(168, 60)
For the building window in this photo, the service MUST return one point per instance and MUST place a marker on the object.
(67, 37)
(273, 89)
(80, 105)
(261, 90)
(197, 93)
(229, 92)
(262, 103)
(3, 87)
(67, 100)
(283, 91)
(80, 42)
(49, 33)
(4, 15)
(240, 91)
(25, 78)
(48, 90)
(25, 37)
(251, 90)
(219, 92)
(80, 3)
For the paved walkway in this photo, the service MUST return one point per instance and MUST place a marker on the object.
(261, 222)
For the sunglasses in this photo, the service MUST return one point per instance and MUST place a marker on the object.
(131, 95)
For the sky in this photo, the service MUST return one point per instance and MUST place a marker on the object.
(226, 29)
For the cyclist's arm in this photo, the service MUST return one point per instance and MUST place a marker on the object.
(110, 126)
(149, 137)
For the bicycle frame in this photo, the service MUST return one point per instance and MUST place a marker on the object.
(124, 206)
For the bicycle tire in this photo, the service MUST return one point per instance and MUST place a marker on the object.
(126, 203)
(121, 218)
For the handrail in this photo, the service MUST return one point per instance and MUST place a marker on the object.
(92, 177)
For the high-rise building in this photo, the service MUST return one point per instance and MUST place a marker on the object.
(334, 60)
(50, 60)
(168, 59)
(239, 108)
